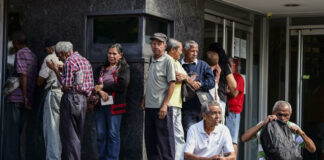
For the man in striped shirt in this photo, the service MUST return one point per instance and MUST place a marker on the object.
(282, 111)
(77, 84)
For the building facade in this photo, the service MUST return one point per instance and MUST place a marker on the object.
(280, 56)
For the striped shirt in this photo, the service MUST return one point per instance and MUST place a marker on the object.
(296, 137)
(77, 74)
(25, 62)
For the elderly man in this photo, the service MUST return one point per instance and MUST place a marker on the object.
(77, 84)
(51, 103)
(203, 78)
(174, 49)
(282, 111)
(208, 139)
(159, 135)
(21, 99)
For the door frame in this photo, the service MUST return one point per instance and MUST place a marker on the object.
(299, 31)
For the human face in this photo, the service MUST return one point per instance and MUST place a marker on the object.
(213, 57)
(178, 52)
(158, 47)
(62, 56)
(214, 117)
(283, 113)
(191, 54)
(113, 56)
(49, 50)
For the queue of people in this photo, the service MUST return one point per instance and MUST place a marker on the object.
(175, 128)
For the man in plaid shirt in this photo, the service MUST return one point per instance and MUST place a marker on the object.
(77, 84)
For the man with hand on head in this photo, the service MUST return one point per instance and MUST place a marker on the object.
(281, 111)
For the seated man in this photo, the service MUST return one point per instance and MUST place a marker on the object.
(208, 138)
(282, 111)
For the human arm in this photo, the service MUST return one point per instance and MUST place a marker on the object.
(40, 81)
(208, 78)
(240, 86)
(23, 83)
(53, 66)
(164, 107)
(250, 133)
(231, 83)
(309, 144)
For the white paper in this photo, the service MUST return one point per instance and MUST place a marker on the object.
(244, 78)
(243, 48)
(109, 102)
(237, 47)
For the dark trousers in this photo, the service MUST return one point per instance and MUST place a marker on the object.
(15, 119)
(159, 135)
(72, 115)
(189, 118)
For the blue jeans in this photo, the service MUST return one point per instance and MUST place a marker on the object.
(108, 131)
(233, 124)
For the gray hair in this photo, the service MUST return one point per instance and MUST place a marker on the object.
(205, 106)
(189, 44)
(172, 43)
(118, 47)
(281, 103)
(64, 46)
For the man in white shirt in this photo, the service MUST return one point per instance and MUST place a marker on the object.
(208, 139)
(51, 103)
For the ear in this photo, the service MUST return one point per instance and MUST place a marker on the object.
(204, 116)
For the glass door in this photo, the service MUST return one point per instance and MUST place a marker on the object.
(309, 89)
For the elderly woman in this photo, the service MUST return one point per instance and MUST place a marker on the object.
(113, 80)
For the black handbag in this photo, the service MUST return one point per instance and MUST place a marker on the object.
(187, 92)
(203, 96)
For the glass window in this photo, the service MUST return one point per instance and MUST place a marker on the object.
(115, 30)
(213, 33)
(154, 25)
(277, 59)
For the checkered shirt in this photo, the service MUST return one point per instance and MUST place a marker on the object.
(73, 64)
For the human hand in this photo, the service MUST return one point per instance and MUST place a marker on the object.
(98, 88)
(195, 85)
(295, 129)
(143, 103)
(180, 77)
(163, 111)
(104, 96)
(219, 70)
(52, 65)
(270, 118)
(217, 157)
(27, 104)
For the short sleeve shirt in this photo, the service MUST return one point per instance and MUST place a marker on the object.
(201, 144)
(25, 62)
(176, 100)
(161, 72)
(296, 137)
(226, 70)
(236, 104)
(47, 73)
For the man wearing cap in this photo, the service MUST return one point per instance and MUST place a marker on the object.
(159, 135)
(51, 103)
